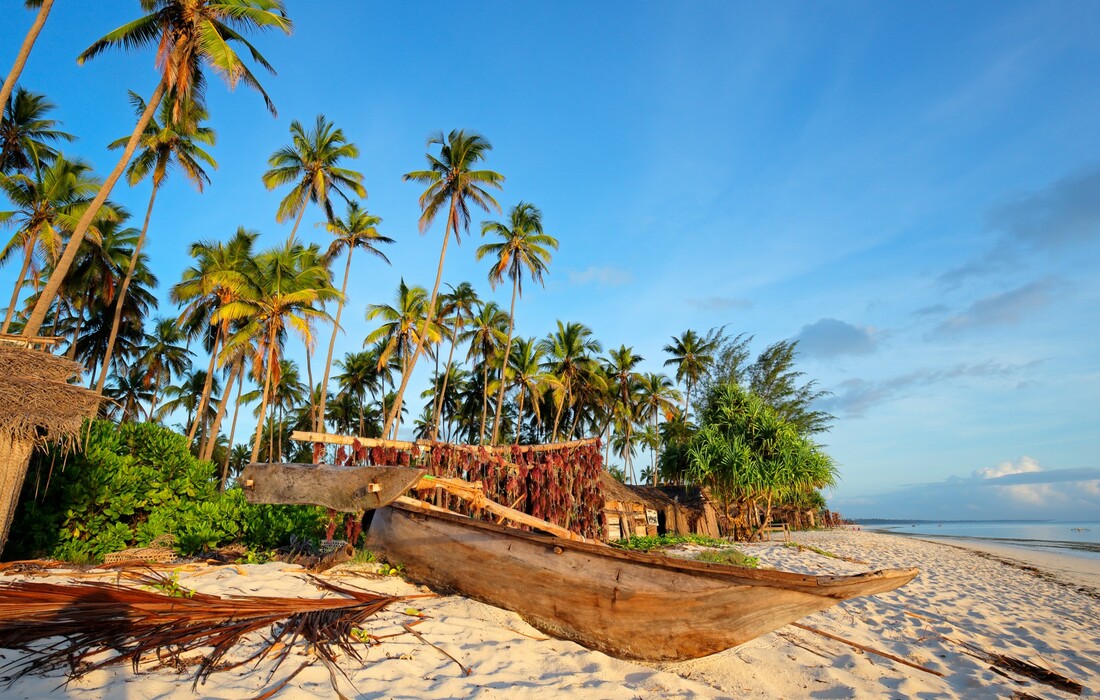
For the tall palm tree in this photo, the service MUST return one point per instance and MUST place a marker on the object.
(218, 278)
(174, 139)
(658, 396)
(280, 289)
(528, 374)
(27, 134)
(357, 230)
(187, 34)
(523, 246)
(624, 383)
(569, 352)
(359, 374)
(452, 182)
(403, 330)
(47, 207)
(486, 337)
(164, 355)
(457, 306)
(310, 162)
(28, 43)
(692, 355)
(127, 392)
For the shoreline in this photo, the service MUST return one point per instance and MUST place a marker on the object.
(1067, 568)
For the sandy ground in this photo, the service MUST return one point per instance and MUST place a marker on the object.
(961, 598)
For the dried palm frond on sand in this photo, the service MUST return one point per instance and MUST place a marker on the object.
(129, 623)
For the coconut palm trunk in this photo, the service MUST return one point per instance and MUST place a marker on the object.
(25, 51)
(117, 321)
(232, 432)
(49, 293)
(313, 418)
(207, 386)
(429, 316)
(266, 396)
(29, 252)
(484, 399)
(519, 413)
(319, 419)
(438, 417)
(504, 362)
(234, 371)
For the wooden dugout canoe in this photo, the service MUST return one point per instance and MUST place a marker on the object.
(626, 604)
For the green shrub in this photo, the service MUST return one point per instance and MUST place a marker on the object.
(728, 555)
(132, 483)
(648, 542)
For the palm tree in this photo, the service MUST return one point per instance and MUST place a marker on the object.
(658, 396)
(458, 305)
(218, 278)
(279, 290)
(310, 163)
(28, 43)
(523, 246)
(27, 135)
(452, 182)
(691, 355)
(47, 206)
(164, 355)
(187, 34)
(624, 383)
(175, 139)
(527, 374)
(127, 391)
(358, 376)
(357, 230)
(402, 330)
(486, 337)
(569, 353)
(185, 395)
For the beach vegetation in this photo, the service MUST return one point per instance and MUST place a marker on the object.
(730, 556)
(132, 483)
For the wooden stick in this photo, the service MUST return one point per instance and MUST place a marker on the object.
(861, 647)
(478, 500)
(428, 445)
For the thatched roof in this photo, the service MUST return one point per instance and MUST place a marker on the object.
(691, 498)
(615, 490)
(36, 400)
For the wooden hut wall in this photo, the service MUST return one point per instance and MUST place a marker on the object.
(686, 510)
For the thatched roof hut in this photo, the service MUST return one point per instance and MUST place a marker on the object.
(37, 404)
(624, 511)
(681, 510)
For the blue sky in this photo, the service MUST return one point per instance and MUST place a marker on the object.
(913, 191)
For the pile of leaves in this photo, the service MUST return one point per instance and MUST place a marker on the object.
(102, 624)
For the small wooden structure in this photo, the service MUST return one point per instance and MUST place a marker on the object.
(625, 514)
(681, 510)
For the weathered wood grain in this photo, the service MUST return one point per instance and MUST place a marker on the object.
(346, 489)
(626, 604)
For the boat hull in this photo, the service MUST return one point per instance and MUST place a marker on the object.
(626, 604)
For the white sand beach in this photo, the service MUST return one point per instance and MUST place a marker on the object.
(960, 599)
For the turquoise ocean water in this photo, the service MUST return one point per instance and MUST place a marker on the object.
(1074, 538)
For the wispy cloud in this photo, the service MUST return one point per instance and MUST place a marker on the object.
(1002, 309)
(854, 397)
(608, 276)
(719, 304)
(1011, 489)
(830, 337)
(1066, 213)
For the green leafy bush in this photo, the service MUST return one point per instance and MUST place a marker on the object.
(728, 555)
(649, 542)
(133, 482)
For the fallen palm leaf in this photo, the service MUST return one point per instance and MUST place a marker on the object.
(129, 623)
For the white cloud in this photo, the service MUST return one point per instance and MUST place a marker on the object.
(1024, 466)
(607, 275)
